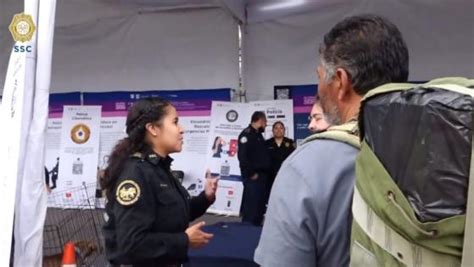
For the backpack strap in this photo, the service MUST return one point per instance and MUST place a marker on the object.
(468, 245)
(347, 133)
(461, 81)
(393, 243)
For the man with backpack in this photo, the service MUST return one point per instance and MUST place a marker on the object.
(308, 220)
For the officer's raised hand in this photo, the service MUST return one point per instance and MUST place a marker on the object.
(198, 238)
(211, 186)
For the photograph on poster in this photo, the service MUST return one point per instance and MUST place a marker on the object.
(221, 147)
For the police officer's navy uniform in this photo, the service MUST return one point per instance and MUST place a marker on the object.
(253, 159)
(148, 213)
(278, 154)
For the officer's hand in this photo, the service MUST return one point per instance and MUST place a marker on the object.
(211, 186)
(254, 177)
(197, 238)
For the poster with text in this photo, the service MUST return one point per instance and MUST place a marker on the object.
(78, 156)
(303, 99)
(228, 198)
(53, 135)
(275, 110)
(228, 120)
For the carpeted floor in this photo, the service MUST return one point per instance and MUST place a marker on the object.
(84, 227)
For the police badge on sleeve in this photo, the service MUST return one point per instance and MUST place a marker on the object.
(127, 193)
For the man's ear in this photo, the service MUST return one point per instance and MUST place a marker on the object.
(344, 84)
(152, 129)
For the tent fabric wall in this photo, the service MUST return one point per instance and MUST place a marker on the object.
(122, 47)
(145, 44)
(148, 50)
(439, 35)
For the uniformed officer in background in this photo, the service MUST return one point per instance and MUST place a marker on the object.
(279, 148)
(254, 167)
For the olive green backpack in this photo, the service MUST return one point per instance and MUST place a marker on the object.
(385, 229)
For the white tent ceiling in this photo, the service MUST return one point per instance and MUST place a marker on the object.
(104, 45)
(439, 35)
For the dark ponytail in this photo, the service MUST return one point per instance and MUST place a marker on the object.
(142, 112)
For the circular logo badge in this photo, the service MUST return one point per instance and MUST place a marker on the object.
(22, 27)
(80, 133)
(128, 192)
(232, 115)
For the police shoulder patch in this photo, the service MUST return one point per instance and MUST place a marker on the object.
(128, 192)
(243, 139)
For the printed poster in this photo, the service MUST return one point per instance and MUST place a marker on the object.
(228, 120)
(78, 155)
(53, 135)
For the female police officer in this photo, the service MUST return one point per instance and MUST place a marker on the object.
(148, 210)
(279, 147)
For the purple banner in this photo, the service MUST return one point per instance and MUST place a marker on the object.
(186, 102)
(59, 100)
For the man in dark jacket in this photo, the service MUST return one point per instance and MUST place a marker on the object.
(254, 167)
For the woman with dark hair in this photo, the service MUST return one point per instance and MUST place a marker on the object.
(279, 147)
(148, 211)
(217, 147)
(316, 121)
